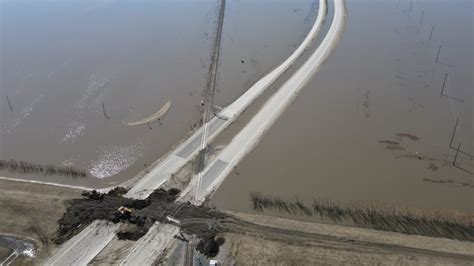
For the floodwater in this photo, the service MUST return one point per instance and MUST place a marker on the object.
(18, 246)
(371, 126)
(75, 72)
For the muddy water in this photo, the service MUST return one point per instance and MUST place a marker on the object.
(339, 139)
(75, 72)
(15, 245)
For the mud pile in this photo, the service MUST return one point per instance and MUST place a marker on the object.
(210, 246)
(139, 215)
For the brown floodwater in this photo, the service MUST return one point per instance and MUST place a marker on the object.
(64, 63)
(372, 125)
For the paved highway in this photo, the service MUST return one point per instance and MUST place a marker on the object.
(83, 247)
(156, 240)
(188, 149)
(251, 134)
(76, 251)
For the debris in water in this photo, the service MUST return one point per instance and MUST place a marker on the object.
(433, 167)
(448, 181)
(390, 142)
(407, 135)
(156, 116)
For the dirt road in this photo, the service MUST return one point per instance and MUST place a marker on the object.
(263, 240)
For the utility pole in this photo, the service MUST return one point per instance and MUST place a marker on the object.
(456, 156)
(208, 103)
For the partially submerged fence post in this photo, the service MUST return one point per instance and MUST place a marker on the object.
(454, 133)
(437, 56)
(444, 84)
(103, 111)
(9, 103)
(456, 156)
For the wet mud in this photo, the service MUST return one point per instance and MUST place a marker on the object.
(137, 216)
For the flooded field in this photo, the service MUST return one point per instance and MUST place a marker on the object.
(76, 75)
(381, 122)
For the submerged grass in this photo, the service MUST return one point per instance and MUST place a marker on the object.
(388, 219)
(23, 167)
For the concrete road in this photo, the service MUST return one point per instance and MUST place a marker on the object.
(188, 149)
(83, 247)
(251, 134)
(147, 248)
(69, 253)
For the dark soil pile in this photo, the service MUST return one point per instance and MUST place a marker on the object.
(194, 220)
(210, 246)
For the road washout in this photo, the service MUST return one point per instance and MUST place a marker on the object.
(208, 224)
(153, 117)
(140, 216)
(386, 218)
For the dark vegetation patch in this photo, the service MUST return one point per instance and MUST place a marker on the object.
(448, 181)
(390, 142)
(138, 216)
(388, 219)
(210, 245)
(395, 148)
(433, 167)
(23, 167)
(408, 136)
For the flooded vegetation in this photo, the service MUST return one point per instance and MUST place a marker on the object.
(373, 125)
(47, 170)
(395, 219)
(153, 117)
(114, 63)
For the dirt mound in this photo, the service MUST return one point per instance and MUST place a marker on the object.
(210, 246)
(131, 232)
(139, 215)
(118, 191)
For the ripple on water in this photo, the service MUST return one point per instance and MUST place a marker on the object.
(74, 130)
(93, 96)
(71, 161)
(114, 159)
(23, 114)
